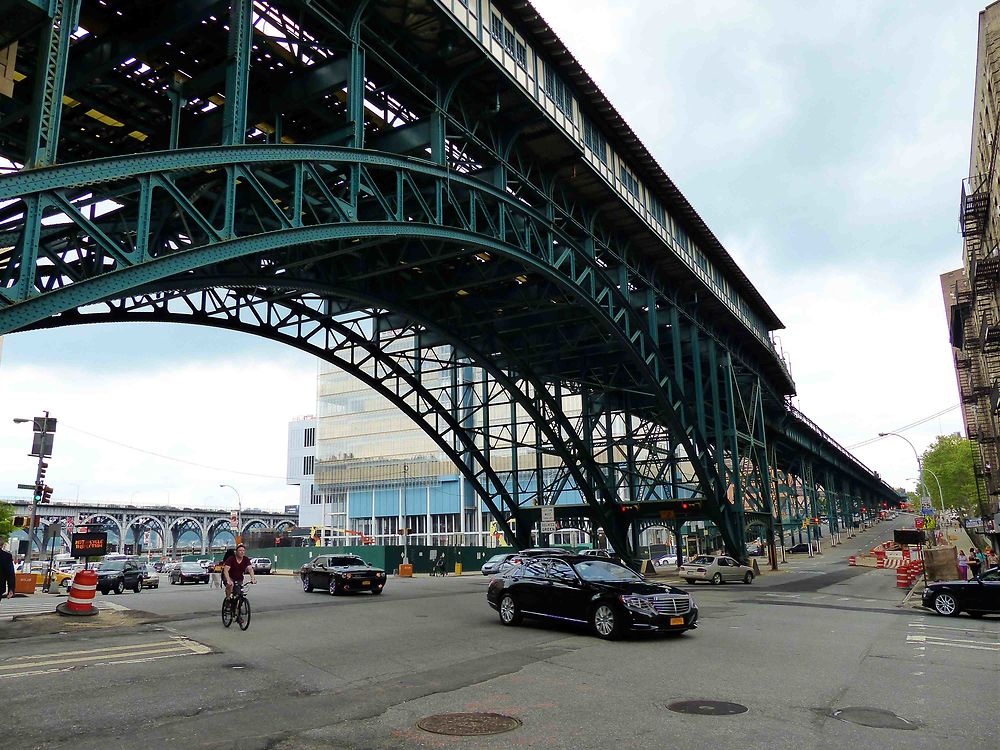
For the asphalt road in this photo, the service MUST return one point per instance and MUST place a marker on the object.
(354, 672)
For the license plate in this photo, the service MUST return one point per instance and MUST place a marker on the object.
(366, 583)
(676, 620)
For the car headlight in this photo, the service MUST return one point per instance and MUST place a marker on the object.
(348, 575)
(638, 604)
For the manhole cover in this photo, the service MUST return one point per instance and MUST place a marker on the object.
(872, 717)
(707, 708)
(468, 725)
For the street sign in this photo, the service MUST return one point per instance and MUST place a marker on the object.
(40, 446)
(918, 522)
(90, 545)
(26, 486)
(145, 539)
(927, 511)
(548, 519)
(69, 524)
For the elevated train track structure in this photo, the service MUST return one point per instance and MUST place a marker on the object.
(126, 524)
(434, 196)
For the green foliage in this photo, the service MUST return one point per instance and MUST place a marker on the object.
(6, 520)
(950, 458)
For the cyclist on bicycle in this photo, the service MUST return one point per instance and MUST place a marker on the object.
(234, 568)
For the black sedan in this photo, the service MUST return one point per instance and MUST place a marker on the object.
(340, 573)
(977, 597)
(602, 594)
(189, 572)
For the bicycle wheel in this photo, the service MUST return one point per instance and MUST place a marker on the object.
(227, 612)
(243, 613)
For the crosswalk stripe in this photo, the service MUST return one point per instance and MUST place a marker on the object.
(932, 641)
(133, 654)
(91, 651)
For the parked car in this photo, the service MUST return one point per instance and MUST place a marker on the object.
(261, 565)
(340, 573)
(150, 577)
(715, 568)
(604, 554)
(976, 597)
(189, 572)
(604, 595)
(119, 574)
(666, 560)
(493, 566)
(795, 549)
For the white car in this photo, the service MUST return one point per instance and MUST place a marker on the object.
(666, 560)
(715, 568)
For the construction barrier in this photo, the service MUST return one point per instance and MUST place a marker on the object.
(852, 560)
(81, 595)
(903, 578)
(405, 570)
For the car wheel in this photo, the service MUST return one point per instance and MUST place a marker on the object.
(510, 613)
(689, 581)
(66, 582)
(138, 586)
(946, 604)
(119, 587)
(717, 579)
(605, 622)
(306, 584)
(748, 578)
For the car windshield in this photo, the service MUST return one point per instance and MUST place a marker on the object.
(602, 570)
(337, 562)
(703, 560)
(191, 567)
(497, 558)
(113, 565)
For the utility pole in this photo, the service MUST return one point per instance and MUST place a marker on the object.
(41, 445)
(406, 544)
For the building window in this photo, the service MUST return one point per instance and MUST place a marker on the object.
(315, 499)
(594, 140)
(629, 181)
(309, 437)
(656, 209)
(558, 91)
(308, 465)
(506, 36)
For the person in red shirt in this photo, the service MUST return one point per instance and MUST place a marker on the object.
(234, 568)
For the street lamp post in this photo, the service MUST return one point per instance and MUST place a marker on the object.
(239, 512)
(920, 464)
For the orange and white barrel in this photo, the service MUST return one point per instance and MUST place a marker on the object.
(81, 595)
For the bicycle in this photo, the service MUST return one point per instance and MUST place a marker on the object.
(237, 607)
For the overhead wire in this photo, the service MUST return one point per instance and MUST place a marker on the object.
(910, 426)
(169, 458)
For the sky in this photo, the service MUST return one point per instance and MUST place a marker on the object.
(823, 143)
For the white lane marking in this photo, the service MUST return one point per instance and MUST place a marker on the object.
(945, 627)
(931, 640)
(108, 655)
(92, 651)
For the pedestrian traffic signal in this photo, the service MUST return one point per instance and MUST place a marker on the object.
(46, 494)
(21, 522)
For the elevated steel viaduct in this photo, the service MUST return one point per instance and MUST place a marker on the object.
(127, 523)
(434, 196)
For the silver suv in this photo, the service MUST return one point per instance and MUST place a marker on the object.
(261, 565)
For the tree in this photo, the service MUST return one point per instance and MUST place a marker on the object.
(6, 520)
(950, 458)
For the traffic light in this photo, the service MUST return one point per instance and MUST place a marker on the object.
(46, 494)
(21, 522)
(629, 508)
(682, 509)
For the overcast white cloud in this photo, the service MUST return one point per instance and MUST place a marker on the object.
(823, 143)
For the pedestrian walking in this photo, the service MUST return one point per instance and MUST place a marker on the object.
(963, 566)
(7, 580)
(439, 565)
(216, 575)
(973, 563)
